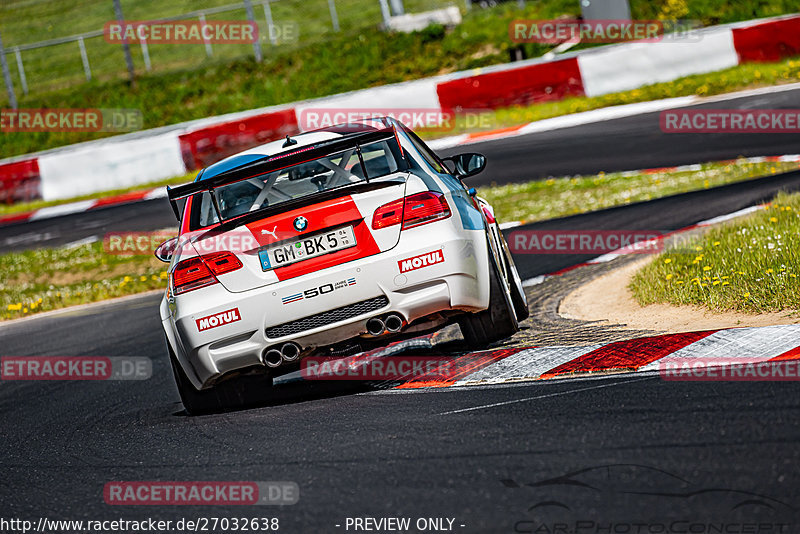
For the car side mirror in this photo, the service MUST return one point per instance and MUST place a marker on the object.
(467, 164)
(165, 250)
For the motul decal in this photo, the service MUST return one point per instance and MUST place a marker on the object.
(423, 260)
(218, 319)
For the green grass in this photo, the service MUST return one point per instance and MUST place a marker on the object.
(548, 199)
(748, 266)
(46, 279)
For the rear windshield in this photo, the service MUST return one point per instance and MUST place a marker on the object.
(336, 170)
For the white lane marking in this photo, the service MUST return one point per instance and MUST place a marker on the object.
(159, 192)
(745, 345)
(511, 224)
(64, 209)
(528, 364)
(535, 281)
(556, 394)
(605, 114)
(729, 216)
(81, 242)
(447, 142)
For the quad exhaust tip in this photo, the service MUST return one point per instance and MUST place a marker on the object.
(375, 326)
(290, 352)
(273, 358)
(393, 323)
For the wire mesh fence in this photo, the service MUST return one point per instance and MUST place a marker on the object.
(53, 44)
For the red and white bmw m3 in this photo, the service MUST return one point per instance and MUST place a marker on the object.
(345, 236)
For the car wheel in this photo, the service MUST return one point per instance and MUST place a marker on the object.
(514, 282)
(499, 320)
(233, 393)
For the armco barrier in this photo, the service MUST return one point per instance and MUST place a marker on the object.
(91, 167)
(624, 67)
(20, 181)
(769, 41)
(552, 80)
(147, 156)
(207, 145)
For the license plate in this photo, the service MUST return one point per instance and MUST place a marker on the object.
(306, 248)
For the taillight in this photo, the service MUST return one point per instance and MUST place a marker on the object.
(414, 210)
(201, 271)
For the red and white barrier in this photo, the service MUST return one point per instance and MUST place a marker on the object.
(147, 156)
(20, 181)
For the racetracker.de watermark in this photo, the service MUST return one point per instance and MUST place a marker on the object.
(730, 121)
(75, 368)
(430, 119)
(557, 31)
(386, 368)
(179, 493)
(181, 31)
(729, 370)
(586, 241)
(70, 120)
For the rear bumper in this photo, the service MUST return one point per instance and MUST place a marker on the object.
(239, 339)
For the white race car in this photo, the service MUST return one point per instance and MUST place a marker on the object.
(335, 239)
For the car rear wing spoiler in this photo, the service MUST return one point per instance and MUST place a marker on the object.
(269, 164)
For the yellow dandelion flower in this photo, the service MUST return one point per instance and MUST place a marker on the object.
(668, 260)
(679, 282)
(143, 279)
(707, 268)
(716, 283)
(716, 243)
(773, 219)
(746, 294)
(669, 277)
(768, 271)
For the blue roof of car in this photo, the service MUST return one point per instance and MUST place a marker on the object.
(227, 164)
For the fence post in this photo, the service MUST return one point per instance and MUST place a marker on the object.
(397, 7)
(334, 15)
(385, 13)
(87, 70)
(145, 53)
(12, 98)
(21, 68)
(248, 6)
(268, 17)
(126, 49)
(209, 50)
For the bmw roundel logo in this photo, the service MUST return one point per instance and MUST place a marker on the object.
(300, 224)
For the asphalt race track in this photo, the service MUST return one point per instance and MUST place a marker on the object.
(523, 457)
(619, 144)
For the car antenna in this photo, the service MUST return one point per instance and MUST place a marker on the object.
(289, 142)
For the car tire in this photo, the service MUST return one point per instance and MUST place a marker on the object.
(518, 296)
(499, 320)
(233, 393)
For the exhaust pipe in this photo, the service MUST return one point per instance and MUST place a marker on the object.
(273, 358)
(375, 326)
(394, 323)
(290, 352)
